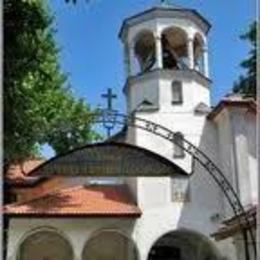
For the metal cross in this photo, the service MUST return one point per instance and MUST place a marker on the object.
(109, 96)
(109, 112)
(165, 2)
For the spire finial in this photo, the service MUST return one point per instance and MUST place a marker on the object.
(169, 3)
(165, 2)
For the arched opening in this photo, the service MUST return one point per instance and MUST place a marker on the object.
(198, 49)
(45, 245)
(110, 245)
(183, 245)
(174, 48)
(145, 51)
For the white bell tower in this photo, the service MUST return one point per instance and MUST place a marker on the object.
(167, 75)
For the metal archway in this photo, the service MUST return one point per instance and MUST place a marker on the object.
(110, 118)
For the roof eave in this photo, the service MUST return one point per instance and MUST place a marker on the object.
(250, 104)
(127, 21)
(72, 215)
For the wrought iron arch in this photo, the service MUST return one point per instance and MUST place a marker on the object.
(113, 117)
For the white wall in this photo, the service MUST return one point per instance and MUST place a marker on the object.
(156, 86)
(252, 157)
(176, 117)
(237, 146)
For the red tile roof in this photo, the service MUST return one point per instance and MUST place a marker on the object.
(17, 172)
(250, 212)
(92, 201)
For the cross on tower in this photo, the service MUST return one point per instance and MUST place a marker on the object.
(109, 96)
(165, 2)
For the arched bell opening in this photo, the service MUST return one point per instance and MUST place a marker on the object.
(110, 245)
(144, 50)
(183, 245)
(174, 48)
(45, 245)
(198, 49)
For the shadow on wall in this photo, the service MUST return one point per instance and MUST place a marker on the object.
(206, 205)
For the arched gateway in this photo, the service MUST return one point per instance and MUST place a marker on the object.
(183, 245)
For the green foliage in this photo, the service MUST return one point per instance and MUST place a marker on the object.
(38, 108)
(246, 84)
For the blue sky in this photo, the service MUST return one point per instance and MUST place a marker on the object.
(91, 52)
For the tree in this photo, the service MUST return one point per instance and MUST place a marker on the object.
(39, 107)
(246, 84)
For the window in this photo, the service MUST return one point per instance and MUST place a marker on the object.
(180, 190)
(178, 152)
(164, 252)
(176, 92)
(174, 48)
(144, 51)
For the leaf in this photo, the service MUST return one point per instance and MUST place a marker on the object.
(38, 105)
(246, 84)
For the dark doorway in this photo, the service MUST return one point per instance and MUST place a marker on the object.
(164, 253)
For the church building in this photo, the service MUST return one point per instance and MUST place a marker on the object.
(177, 182)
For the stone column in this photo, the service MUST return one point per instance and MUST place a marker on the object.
(205, 62)
(190, 53)
(158, 52)
(126, 61)
(131, 60)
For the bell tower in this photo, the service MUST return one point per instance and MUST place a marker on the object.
(166, 68)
